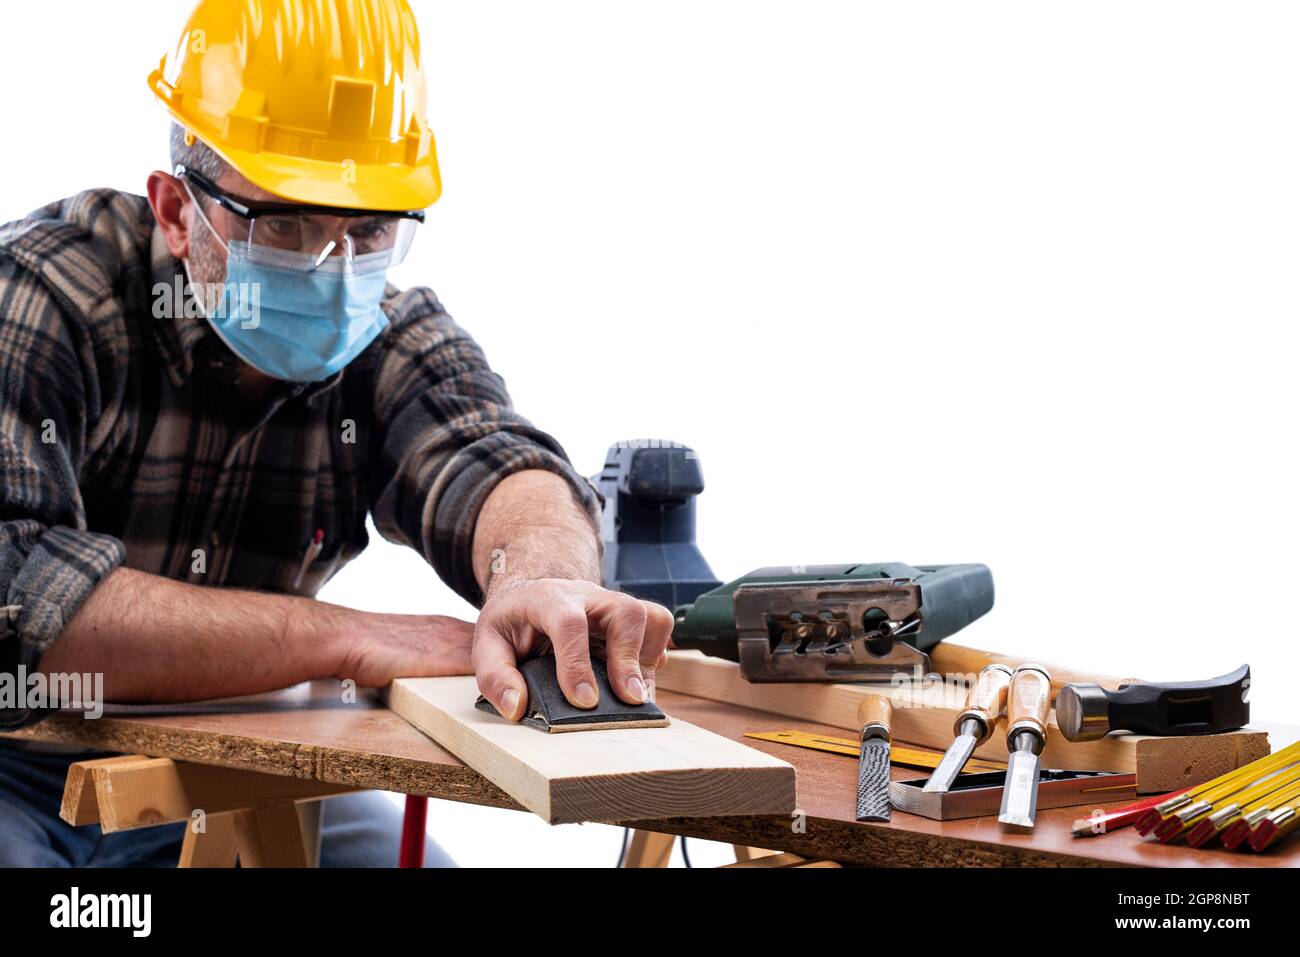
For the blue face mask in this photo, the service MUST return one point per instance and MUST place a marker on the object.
(292, 321)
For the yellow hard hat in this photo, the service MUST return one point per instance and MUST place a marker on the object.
(317, 101)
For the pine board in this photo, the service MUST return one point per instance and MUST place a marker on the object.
(619, 774)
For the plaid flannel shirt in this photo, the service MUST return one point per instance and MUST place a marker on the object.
(123, 439)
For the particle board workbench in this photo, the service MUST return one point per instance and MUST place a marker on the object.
(309, 732)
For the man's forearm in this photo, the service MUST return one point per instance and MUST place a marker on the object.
(532, 527)
(155, 639)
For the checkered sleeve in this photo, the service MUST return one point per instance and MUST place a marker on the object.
(49, 562)
(448, 435)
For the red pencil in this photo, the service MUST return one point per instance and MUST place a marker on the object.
(1121, 817)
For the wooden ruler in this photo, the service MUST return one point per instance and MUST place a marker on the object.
(907, 757)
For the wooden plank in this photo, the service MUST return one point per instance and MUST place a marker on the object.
(925, 717)
(615, 774)
(149, 791)
(310, 732)
(825, 827)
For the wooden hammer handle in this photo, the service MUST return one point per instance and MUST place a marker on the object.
(949, 659)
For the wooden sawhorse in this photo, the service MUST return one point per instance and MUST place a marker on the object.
(264, 820)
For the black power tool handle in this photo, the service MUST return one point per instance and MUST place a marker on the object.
(1183, 707)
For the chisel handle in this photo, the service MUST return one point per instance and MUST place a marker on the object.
(987, 701)
(1028, 700)
(875, 714)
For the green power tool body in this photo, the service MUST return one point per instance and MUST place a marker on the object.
(861, 622)
(834, 622)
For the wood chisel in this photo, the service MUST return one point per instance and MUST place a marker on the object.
(899, 755)
(875, 713)
(985, 705)
(1028, 701)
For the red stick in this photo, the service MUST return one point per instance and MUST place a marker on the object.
(412, 852)
(1120, 817)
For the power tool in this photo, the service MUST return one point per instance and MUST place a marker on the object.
(833, 623)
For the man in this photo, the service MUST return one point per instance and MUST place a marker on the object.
(162, 437)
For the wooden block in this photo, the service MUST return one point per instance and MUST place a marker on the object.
(1166, 764)
(782, 861)
(649, 849)
(311, 817)
(79, 805)
(612, 775)
(215, 846)
(925, 717)
(746, 853)
(270, 836)
(142, 792)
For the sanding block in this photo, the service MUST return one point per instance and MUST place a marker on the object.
(550, 711)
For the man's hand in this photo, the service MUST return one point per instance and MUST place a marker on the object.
(521, 619)
(384, 647)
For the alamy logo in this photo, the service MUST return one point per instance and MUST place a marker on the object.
(244, 301)
(38, 691)
(74, 909)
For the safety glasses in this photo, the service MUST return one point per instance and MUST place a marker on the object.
(278, 231)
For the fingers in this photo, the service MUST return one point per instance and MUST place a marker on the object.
(654, 650)
(564, 621)
(493, 658)
(622, 620)
(636, 634)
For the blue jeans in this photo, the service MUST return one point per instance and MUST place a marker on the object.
(357, 830)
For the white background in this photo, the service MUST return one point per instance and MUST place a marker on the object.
(931, 282)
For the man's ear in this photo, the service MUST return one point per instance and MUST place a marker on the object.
(168, 199)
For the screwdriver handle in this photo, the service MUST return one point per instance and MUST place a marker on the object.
(987, 700)
(875, 713)
(1028, 700)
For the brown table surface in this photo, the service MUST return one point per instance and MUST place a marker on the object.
(309, 732)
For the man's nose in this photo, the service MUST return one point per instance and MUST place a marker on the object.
(336, 242)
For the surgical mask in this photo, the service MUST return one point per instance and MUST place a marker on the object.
(295, 316)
